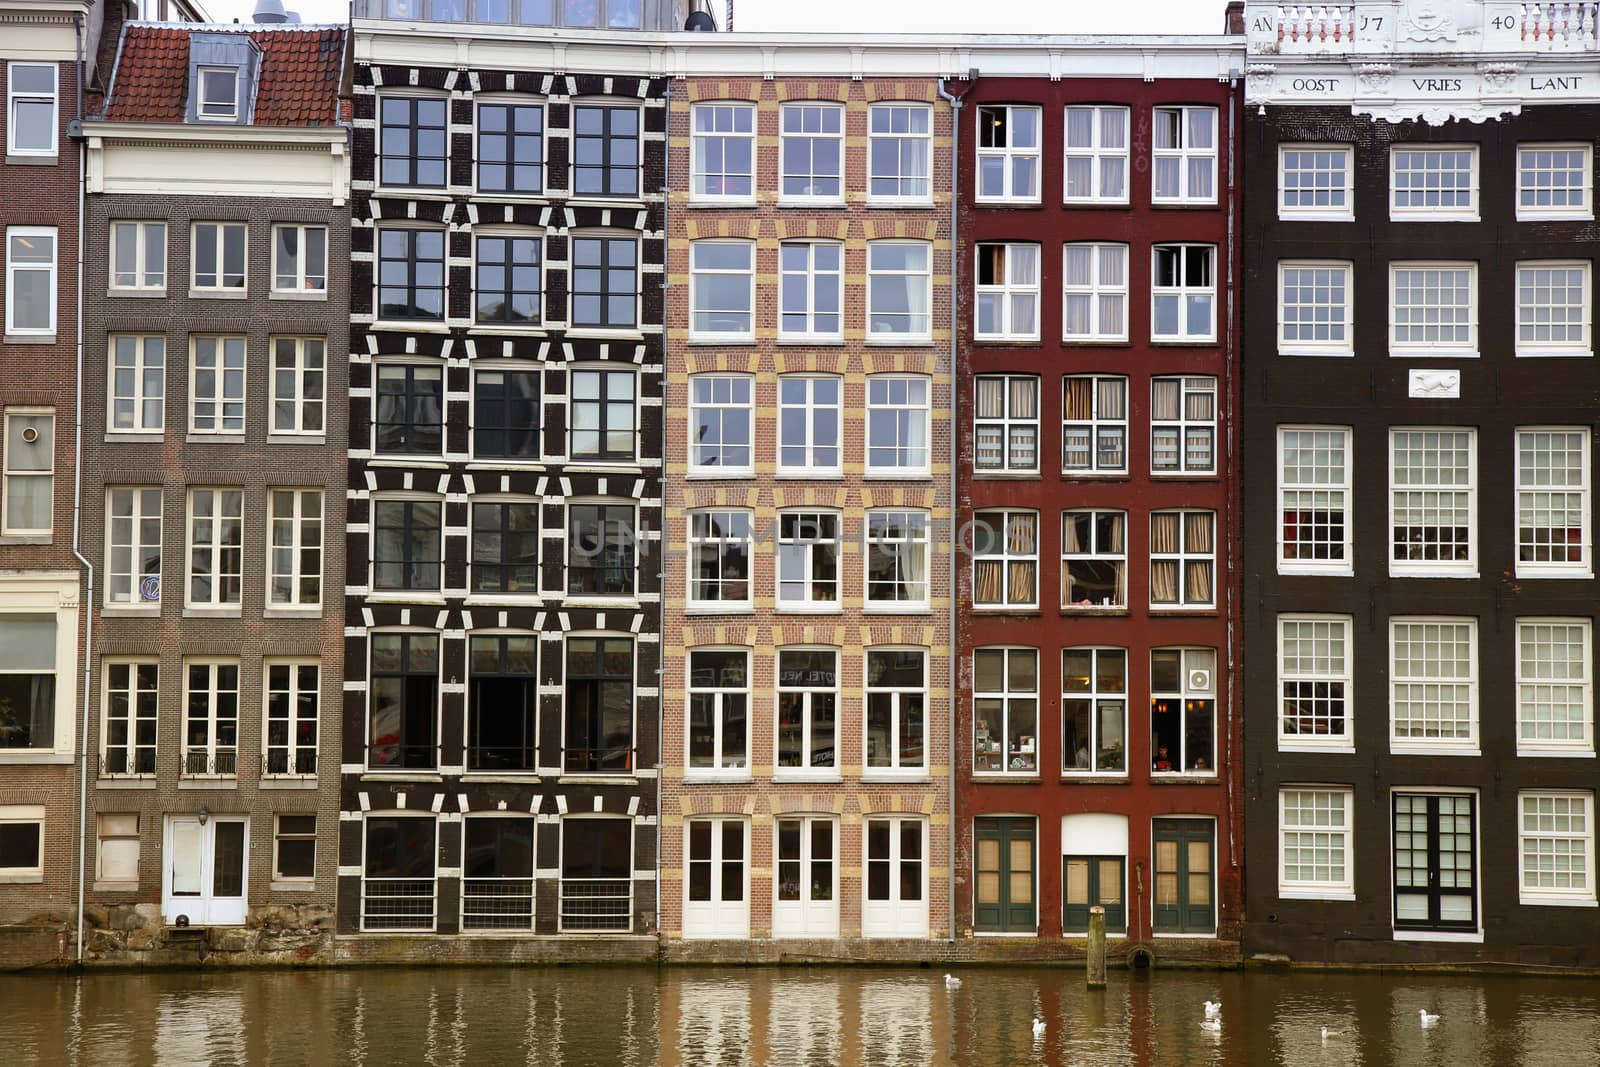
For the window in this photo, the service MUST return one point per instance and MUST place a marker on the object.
(1183, 710)
(1097, 155)
(139, 255)
(722, 282)
(716, 876)
(411, 274)
(1094, 711)
(897, 559)
(1005, 559)
(1433, 309)
(503, 703)
(28, 682)
(510, 155)
(219, 255)
(1314, 317)
(1554, 181)
(1094, 430)
(300, 259)
(294, 697)
(599, 733)
(806, 885)
(1314, 671)
(1435, 862)
(117, 847)
(1557, 845)
(808, 701)
(602, 416)
(808, 560)
(812, 147)
(132, 708)
(497, 872)
(299, 385)
(605, 283)
(31, 109)
(605, 146)
(1093, 881)
(724, 152)
(294, 848)
(1008, 153)
(1185, 156)
(1094, 560)
(897, 425)
(1555, 688)
(1095, 292)
(508, 280)
(897, 877)
(413, 141)
(1433, 501)
(505, 547)
(1182, 559)
(409, 417)
(138, 383)
(402, 732)
(218, 99)
(1008, 293)
(899, 152)
(1553, 309)
(133, 545)
(1552, 502)
(596, 874)
(897, 699)
(30, 280)
(1315, 181)
(1004, 867)
(1006, 424)
(21, 836)
(407, 543)
(1314, 846)
(1314, 499)
(211, 718)
(1184, 293)
(899, 291)
(1183, 425)
(601, 542)
(1433, 684)
(294, 547)
(1005, 711)
(27, 498)
(809, 416)
(1434, 183)
(216, 385)
(216, 547)
(719, 711)
(812, 290)
(399, 890)
(505, 415)
(719, 558)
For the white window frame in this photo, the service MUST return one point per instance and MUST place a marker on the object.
(1317, 836)
(8, 472)
(1434, 489)
(725, 764)
(897, 695)
(1096, 292)
(807, 549)
(709, 384)
(699, 288)
(1328, 494)
(1332, 664)
(1010, 432)
(1182, 558)
(1579, 803)
(1399, 212)
(894, 916)
(1097, 154)
(1009, 155)
(1454, 746)
(206, 108)
(812, 277)
(1184, 292)
(1010, 293)
(213, 548)
(1334, 315)
(1186, 694)
(908, 337)
(145, 280)
(881, 404)
(785, 135)
(1467, 349)
(294, 528)
(136, 519)
(279, 835)
(912, 537)
(1576, 443)
(301, 279)
(1584, 211)
(875, 136)
(1542, 687)
(292, 363)
(107, 832)
(225, 375)
(809, 407)
(13, 269)
(14, 96)
(213, 692)
(1583, 346)
(1186, 154)
(132, 694)
(1094, 552)
(1096, 425)
(1000, 732)
(1002, 554)
(222, 226)
(293, 694)
(1098, 699)
(1341, 212)
(716, 112)
(695, 604)
(25, 813)
(807, 768)
(1183, 428)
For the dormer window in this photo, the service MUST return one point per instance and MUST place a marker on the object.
(219, 94)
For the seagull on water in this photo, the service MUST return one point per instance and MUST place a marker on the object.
(1213, 1026)
(952, 982)
(1038, 1029)
(1326, 1033)
(1428, 1019)
(1213, 1009)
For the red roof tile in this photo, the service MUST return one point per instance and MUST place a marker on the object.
(299, 85)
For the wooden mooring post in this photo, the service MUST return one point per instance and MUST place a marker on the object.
(1097, 947)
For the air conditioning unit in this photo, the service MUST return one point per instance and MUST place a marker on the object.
(1200, 680)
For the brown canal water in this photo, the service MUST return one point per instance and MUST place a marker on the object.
(702, 1017)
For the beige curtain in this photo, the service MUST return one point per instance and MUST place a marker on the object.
(1113, 398)
(1078, 399)
(1164, 396)
(991, 398)
(986, 581)
(1024, 398)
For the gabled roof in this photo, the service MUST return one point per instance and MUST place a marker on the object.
(301, 68)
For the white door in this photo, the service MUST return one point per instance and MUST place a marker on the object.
(205, 871)
(897, 878)
(806, 892)
(716, 890)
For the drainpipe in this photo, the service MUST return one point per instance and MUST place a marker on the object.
(1231, 491)
(661, 493)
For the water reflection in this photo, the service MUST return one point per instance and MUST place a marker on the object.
(802, 1017)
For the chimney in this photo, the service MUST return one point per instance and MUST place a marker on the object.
(1234, 18)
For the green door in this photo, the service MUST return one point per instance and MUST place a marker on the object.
(1185, 896)
(1090, 880)
(1005, 867)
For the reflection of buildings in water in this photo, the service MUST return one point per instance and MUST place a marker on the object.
(200, 1026)
(714, 1022)
(1458, 1037)
(1297, 1033)
(896, 1017)
(804, 1021)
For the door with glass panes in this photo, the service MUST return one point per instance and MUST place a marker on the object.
(203, 873)
(1088, 881)
(897, 877)
(806, 893)
(716, 894)
(1185, 876)
(1005, 853)
(1435, 862)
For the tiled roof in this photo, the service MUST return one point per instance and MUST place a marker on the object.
(301, 68)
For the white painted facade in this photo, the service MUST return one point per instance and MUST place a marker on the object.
(149, 159)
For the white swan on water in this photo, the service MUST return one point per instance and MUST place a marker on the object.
(1213, 1009)
(952, 982)
(1038, 1028)
(1428, 1019)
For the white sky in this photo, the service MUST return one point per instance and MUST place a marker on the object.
(890, 16)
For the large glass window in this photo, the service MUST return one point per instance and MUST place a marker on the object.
(899, 291)
(1433, 309)
(900, 152)
(411, 274)
(719, 710)
(139, 255)
(409, 414)
(1433, 683)
(138, 383)
(721, 424)
(1314, 843)
(605, 150)
(1097, 155)
(1553, 502)
(1435, 862)
(399, 890)
(1008, 153)
(1094, 560)
(601, 547)
(605, 283)
(1095, 292)
(294, 848)
(211, 718)
(1183, 295)
(1185, 156)
(809, 419)
(27, 478)
(599, 707)
(1555, 686)
(505, 415)
(1314, 673)
(133, 545)
(220, 252)
(28, 681)
(724, 152)
(1314, 498)
(1094, 424)
(897, 425)
(216, 547)
(1433, 500)
(1006, 424)
(299, 258)
(1314, 309)
(897, 700)
(294, 547)
(413, 141)
(603, 416)
(31, 102)
(1183, 710)
(1183, 425)
(719, 558)
(808, 705)
(508, 279)
(1553, 317)
(510, 154)
(1556, 835)
(407, 545)
(1094, 711)
(31, 280)
(812, 290)
(897, 559)
(1183, 559)
(293, 702)
(505, 547)
(1315, 181)
(1005, 711)
(1555, 181)
(1007, 298)
(299, 384)
(1005, 559)
(596, 874)
(808, 560)
(216, 385)
(722, 285)
(1433, 182)
(402, 733)
(812, 151)
(503, 703)
(132, 708)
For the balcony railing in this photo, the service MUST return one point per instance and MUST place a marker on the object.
(609, 760)
(596, 904)
(502, 759)
(397, 757)
(128, 763)
(397, 903)
(1561, 26)
(289, 763)
(497, 903)
(199, 763)
(612, 14)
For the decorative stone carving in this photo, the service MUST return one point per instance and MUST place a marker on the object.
(1429, 21)
(1436, 384)
(1375, 77)
(1259, 81)
(1499, 76)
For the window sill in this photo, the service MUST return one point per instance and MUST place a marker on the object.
(1432, 353)
(292, 886)
(208, 783)
(809, 476)
(714, 778)
(40, 757)
(503, 600)
(1316, 894)
(1091, 611)
(529, 777)
(127, 782)
(723, 474)
(1189, 476)
(600, 333)
(1554, 753)
(732, 340)
(22, 879)
(292, 612)
(1440, 936)
(27, 539)
(31, 160)
(600, 603)
(1316, 572)
(1184, 342)
(806, 202)
(900, 203)
(1094, 778)
(1097, 342)
(409, 326)
(871, 608)
(1078, 203)
(485, 329)
(1002, 201)
(632, 202)
(1316, 353)
(425, 461)
(1027, 777)
(373, 774)
(798, 340)
(218, 294)
(814, 777)
(598, 466)
(1554, 353)
(233, 612)
(1089, 476)
(896, 476)
(1554, 575)
(1183, 778)
(1424, 215)
(726, 609)
(1006, 609)
(29, 338)
(1341, 748)
(1316, 216)
(115, 887)
(287, 783)
(1182, 203)
(131, 611)
(292, 440)
(997, 340)
(1558, 902)
(714, 203)
(1433, 572)
(1524, 215)
(782, 609)
(898, 341)
(1199, 610)
(114, 293)
(296, 295)
(1434, 750)
(625, 779)
(406, 598)
(1005, 476)
(882, 777)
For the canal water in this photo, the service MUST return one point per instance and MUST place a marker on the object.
(703, 1017)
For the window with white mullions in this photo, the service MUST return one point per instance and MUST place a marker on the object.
(138, 383)
(132, 708)
(1185, 156)
(897, 424)
(720, 545)
(294, 696)
(409, 414)
(1097, 155)
(117, 847)
(1095, 292)
(899, 291)
(1094, 711)
(1008, 153)
(1433, 500)
(605, 150)
(896, 854)
(724, 152)
(900, 143)
(1433, 309)
(1183, 425)
(1435, 862)
(1006, 424)
(1555, 687)
(1007, 292)
(809, 419)
(27, 478)
(1433, 182)
(719, 711)
(133, 545)
(139, 255)
(1314, 842)
(300, 259)
(508, 279)
(1183, 559)
(811, 287)
(722, 285)
(502, 703)
(413, 141)
(218, 99)
(1314, 309)
(505, 547)
(1183, 298)
(808, 705)
(896, 709)
(1094, 560)
(220, 255)
(716, 875)
(211, 718)
(806, 891)
(1555, 181)
(510, 155)
(1314, 674)
(1183, 711)
(722, 424)
(1552, 502)
(407, 542)
(1433, 683)
(1005, 711)
(1314, 499)
(31, 109)
(30, 280)
(1005, 559)
(216, 385)
(299, 384)
(1556, 835)
(216, 547)
(812, 150)
(808, 560)
(897, 559)
(294, 547)
(1094, 428)
(1553, 316)
(1315, 181)
(22, 843)
(605, 283)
